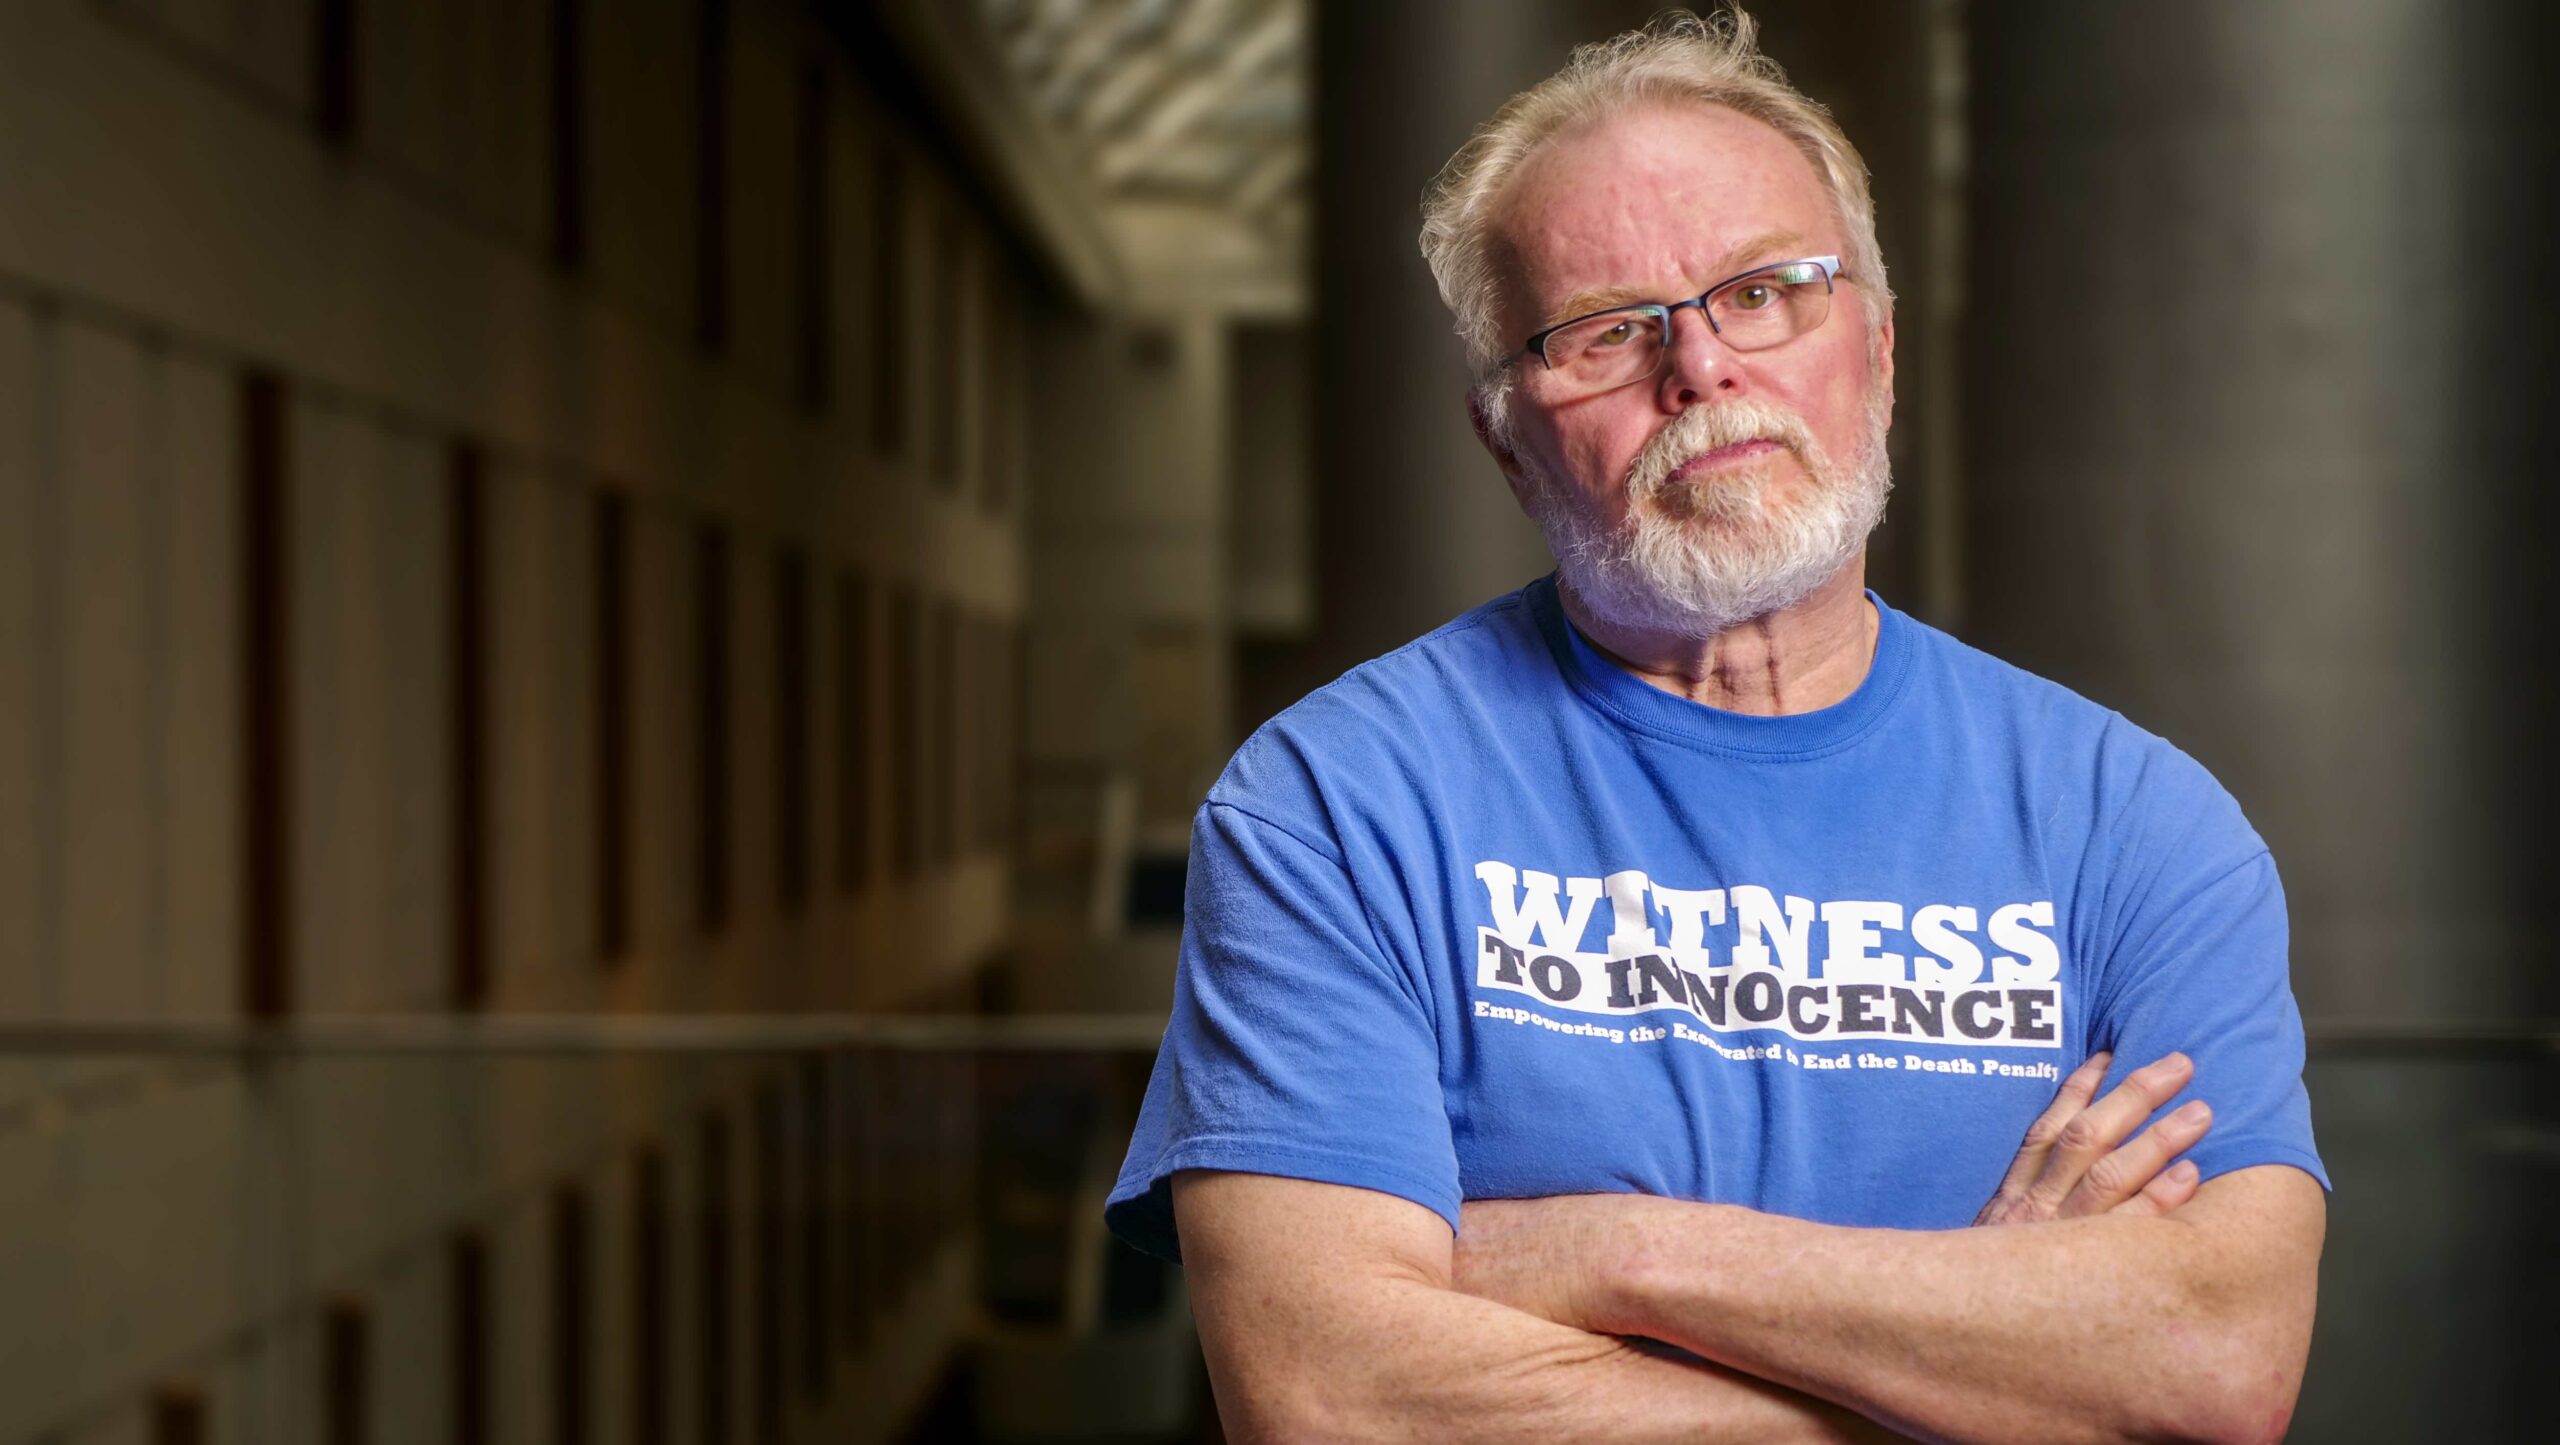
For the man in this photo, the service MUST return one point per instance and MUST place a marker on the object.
(1596, 1019)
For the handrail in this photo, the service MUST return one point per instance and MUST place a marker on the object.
(749, 1033)
(323, 1035)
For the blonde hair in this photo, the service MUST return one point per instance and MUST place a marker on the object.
(1678, 58)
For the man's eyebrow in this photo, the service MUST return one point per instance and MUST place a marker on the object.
(1767, 247)
(1583, 303)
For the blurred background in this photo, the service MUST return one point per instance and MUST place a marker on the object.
(612, 613)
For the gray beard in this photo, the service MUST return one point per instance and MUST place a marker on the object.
(1697, 559)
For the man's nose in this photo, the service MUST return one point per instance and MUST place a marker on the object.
(1699, 364)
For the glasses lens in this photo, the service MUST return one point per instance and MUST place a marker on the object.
(1610, 349)
(1768, 307)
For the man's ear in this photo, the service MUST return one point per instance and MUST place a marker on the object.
(1503, 456)
(1479, 417)
(1884, 360)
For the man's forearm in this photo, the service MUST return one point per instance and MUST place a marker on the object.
(1412, 1361)
(1327, 1313)
(2107, 1328)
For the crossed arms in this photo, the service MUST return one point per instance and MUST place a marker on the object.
(2117, 1299)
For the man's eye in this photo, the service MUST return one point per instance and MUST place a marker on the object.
(1617, 335)
(1754, 296)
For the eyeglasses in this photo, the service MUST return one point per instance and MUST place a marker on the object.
(1763, 307)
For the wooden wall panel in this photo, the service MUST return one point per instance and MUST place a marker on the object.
(27, 558)
(201, 734)
(413, 1400)
(763, 229)
(416, 710)
(566, 726)
(528, 799)
(335, 706)
(642, 202)
(520, 1377)
(106, 841)
(663, 724)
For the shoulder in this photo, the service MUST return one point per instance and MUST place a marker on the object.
(2131, 797)
(1387, 728)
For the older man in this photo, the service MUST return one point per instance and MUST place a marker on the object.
(1596, 1018)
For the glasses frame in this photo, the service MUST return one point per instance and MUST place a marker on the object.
(1663, 311)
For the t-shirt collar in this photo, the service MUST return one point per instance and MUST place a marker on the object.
(1635, 703)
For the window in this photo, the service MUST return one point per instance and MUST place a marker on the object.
(791, 727)
(467, 1355)
(889, 358)
(345, 1367)
(816, 311)
(570, 1330)
(466, 649)
(853, 733)
(714, 1300)
(711, 727)
(612, 722)
(908, 698)
(266, 639)
(567, 96)
(648, 1373)
(711, 176)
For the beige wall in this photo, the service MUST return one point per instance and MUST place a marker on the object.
(169, 219)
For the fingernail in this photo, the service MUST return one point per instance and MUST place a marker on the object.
(2182, 1171)
(2193, 1111)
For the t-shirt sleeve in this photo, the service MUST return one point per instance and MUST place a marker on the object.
(1296, 1047)
(2199, 966)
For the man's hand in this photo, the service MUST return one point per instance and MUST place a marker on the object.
(2071, 1165)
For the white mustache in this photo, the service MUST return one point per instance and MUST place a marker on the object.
(1703, 429)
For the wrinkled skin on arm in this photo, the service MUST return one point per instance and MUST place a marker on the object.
(2120, 1301)
(1327, 1313)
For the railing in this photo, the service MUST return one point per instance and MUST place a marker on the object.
(788, 1228)
(749, 1229)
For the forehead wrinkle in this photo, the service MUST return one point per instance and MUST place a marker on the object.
(1770, 246)
(1632, 210)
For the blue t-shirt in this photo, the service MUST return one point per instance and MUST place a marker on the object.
(1490, 917)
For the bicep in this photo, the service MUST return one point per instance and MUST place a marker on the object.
(2265, 1226)
(1285, 1274)
(1255, 1225)
(2261, 1269)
